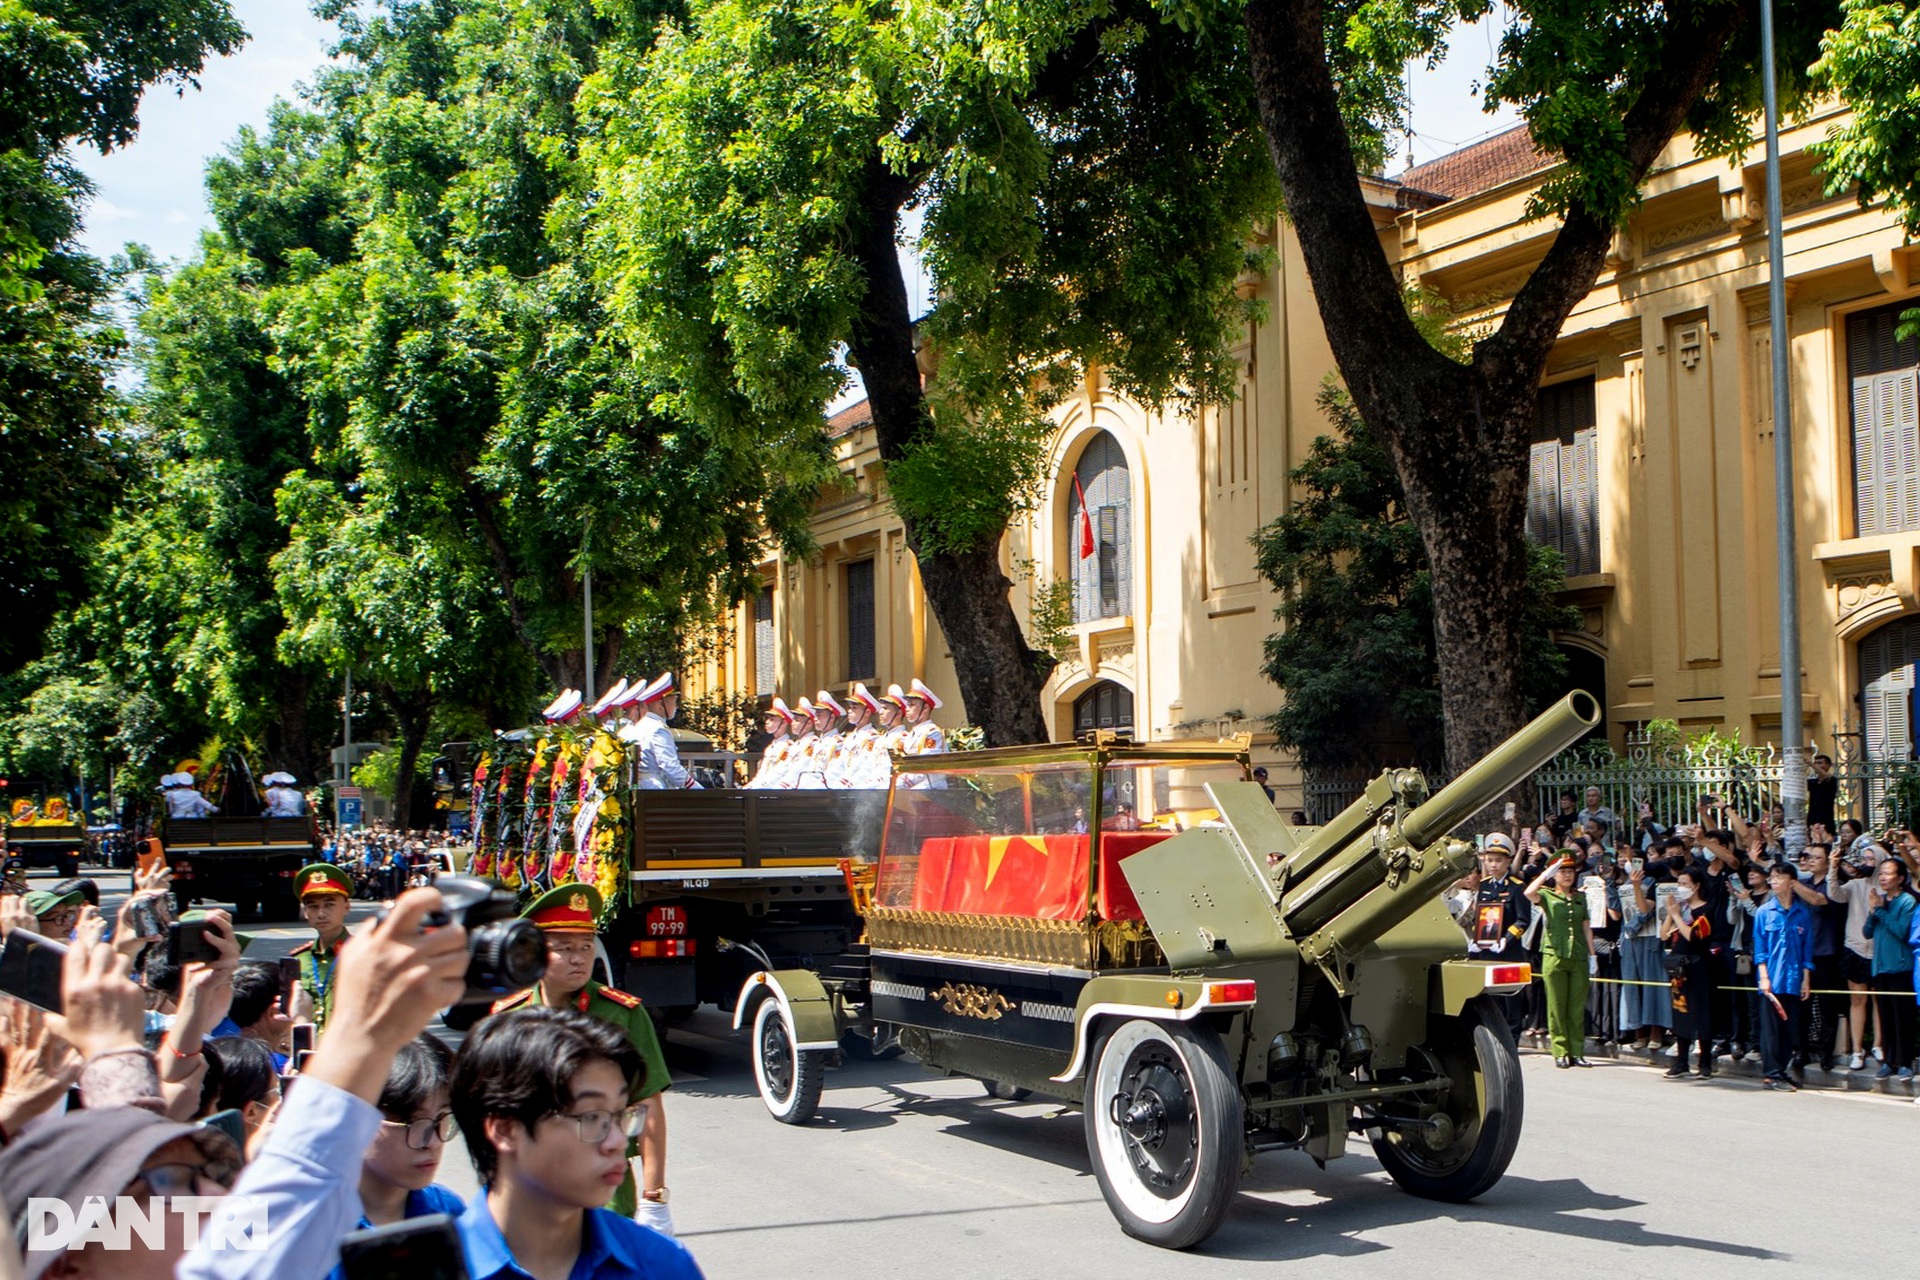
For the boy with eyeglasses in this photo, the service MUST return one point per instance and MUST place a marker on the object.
(567, 916)
(545, 1100)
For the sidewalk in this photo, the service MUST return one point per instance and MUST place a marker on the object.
(1839, 1080)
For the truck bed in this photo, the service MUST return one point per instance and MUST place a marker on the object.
(237, 835)
(732, 835)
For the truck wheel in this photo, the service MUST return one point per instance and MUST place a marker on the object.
(1481, 1119)
(1006, 1092)
(789, 1079)
(1165, 1128)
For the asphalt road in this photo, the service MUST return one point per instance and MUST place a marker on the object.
(1620, 1173)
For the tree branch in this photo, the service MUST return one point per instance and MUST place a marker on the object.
(1689, 54)
(1366, 318)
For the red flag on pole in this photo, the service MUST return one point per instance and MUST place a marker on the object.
(1086, 519)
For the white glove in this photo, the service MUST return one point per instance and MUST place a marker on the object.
(1593, 965)
(651, 1213)
(1473, 948)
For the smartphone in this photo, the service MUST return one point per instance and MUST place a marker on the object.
(300, 1057)
(426, 1248)
(231, 1123)
(1638, 864)
(30, 969)
(1510, 811)
(302, 1038)
(289, 981)
(187, 943)
(145, 918)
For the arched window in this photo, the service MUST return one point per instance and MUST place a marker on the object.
(1888, 658)
(1105, 706)
(1100, 532)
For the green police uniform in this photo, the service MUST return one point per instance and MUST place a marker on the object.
(573, 908)
(317, 963)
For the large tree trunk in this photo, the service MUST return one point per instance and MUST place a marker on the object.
(1457, 433)
(289, 741)
(412, 713)
(1000, 675)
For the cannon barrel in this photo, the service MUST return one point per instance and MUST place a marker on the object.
(1501, 769)
(1416, 866)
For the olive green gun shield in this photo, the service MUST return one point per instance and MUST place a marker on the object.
(1206, 892)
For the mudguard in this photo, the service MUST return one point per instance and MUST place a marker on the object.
(805, 1002)
(1163, 999)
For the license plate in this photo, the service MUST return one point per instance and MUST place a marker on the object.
(666, 922)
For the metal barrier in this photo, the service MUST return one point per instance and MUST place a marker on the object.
(1674, 785)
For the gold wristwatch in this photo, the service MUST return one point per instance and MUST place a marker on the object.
(658, 1197)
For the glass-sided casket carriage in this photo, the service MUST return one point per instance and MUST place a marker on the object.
(1133, 929)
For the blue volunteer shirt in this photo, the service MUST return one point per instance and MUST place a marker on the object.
(1783, 942)
(610, 1246)
(430, 1199)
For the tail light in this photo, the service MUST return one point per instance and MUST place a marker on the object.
(661, 949)
(1244, 991)
(1509, 975)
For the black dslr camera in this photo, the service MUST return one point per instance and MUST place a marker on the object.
(505, 953)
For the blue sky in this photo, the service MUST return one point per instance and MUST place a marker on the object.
(152, 192)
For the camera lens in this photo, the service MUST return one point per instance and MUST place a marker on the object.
(506, 955)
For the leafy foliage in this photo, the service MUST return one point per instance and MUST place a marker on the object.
(1356, 654)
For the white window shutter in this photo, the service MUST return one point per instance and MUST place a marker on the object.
(1543, 493)
(1866, 470)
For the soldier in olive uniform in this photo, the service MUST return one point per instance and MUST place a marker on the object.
(324, 894)
(567, 915)
(1501, 915)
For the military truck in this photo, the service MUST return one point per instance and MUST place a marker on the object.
(249, 862)
(44, 835)
(1131, 929)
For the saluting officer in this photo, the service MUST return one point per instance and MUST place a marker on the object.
(658, 755)
(567, 915)
(324, 893)
(777, 755)
(1501, 915)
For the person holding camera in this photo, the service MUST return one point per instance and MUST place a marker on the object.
(1889, 927)
(1692, 929)
(1846, 884)
(548, 1100)
(1566, 949)
(567, 915)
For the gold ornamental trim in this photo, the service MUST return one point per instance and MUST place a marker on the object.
(1070, 944)
(970, 1001)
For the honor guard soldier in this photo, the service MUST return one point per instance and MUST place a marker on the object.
(182, 800)
(861, 763)
(803, 765)
(827, 714)
(776, 757)
(567, 915)
(893, 720)
(564, 709)
(283, 799)
(324, 893)
(608, 705)
(1501, 914)
(657, 754)
(923, 736)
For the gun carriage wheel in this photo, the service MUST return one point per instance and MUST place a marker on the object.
(1464, 1146)
(1165, 1127)
(789, 1078)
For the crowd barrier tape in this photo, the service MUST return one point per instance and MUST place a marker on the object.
(1817, 991)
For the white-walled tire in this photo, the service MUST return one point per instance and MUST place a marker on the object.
(788, 1078)
(1165, 1130)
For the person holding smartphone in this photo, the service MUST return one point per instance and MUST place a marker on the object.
(1566, 949)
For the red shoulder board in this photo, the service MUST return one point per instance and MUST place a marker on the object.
(619, 997)
(511, 1002)
(301, 950)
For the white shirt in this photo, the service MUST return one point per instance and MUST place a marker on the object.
(860, 764)
(285, 802)
(774, 764)
(185, 802)
(923, 739)
(659, 757)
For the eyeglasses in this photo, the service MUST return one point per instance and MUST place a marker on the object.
(421, 1134)
(593, 1126)
(170, 1180)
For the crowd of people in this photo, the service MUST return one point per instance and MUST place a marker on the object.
(1704, 940)
(180, 1099)
(382, 860)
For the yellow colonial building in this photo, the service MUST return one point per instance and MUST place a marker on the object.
(1652, 471)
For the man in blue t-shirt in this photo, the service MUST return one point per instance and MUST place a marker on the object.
(1783, 930)
(543, 1097)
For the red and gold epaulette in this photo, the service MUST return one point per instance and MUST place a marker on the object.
(619, 997)
(511, 1002)
(302, 949)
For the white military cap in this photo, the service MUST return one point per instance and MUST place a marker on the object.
(827, 702)
(659, 687)
(920, 690)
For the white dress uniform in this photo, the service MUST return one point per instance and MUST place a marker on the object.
(861, 765)
(775, 764)
(184, 802)
(659, 757)
(285, 802)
